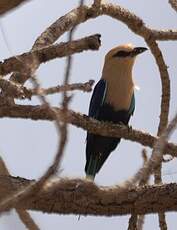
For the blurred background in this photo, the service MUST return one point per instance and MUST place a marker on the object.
(28, 147)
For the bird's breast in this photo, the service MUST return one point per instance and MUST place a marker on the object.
(119, 95)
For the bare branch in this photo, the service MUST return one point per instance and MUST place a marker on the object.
(61, 128)
(173, 4)
(7, 5)
(66, 22)
(86, 123)
(16, 90)
(83, 197)
(85, 87)
(132, 222)
(42, 55)
(165, 104)
(162, 221)
(84, 13)
(156, 157)
(165, 84)
(77, 196)
(97, 3)
(26, 219)
(23, 214)
(136, 221)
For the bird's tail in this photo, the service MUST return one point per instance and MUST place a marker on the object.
(91, 167)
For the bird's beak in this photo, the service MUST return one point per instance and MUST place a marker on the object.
(138, 50)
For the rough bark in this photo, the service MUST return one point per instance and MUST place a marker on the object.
(83, 197)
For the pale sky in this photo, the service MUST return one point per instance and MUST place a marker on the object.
(28, 147)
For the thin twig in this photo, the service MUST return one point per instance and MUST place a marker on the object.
(165, 101)
(16, 90)
(85, 87)
(162, 221)
(165, 104)
(132, 222)
(141, 218)
(27, 219)
(136, 222)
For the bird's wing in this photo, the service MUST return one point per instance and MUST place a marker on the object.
(132, 105)
(98, 98)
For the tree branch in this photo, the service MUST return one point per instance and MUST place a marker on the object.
(173, 4)
(86, 123)
(83, 197)
(18, 63)
(84, 13)
(85, 87)
(165, 84)
(16, 90)
(7, 5)
(23, 214)
(136, 221)
(165, 104)
(66, 22)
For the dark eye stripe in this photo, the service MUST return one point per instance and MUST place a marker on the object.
(122, 53)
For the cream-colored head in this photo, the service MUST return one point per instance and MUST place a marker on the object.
(121, 58)
(117, 71)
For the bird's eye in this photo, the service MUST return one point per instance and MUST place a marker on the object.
(122, 54)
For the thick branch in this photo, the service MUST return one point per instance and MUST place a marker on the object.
(18, 63)
(7, 5)
(83, 197)
(83, 121)
(82, 14)
(173, 4)
(74, 17)
(23, 214)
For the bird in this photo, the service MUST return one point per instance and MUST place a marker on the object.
(113, 100)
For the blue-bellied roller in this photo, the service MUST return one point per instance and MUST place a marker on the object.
(112, 100)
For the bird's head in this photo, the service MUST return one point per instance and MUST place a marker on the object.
(122, 57)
